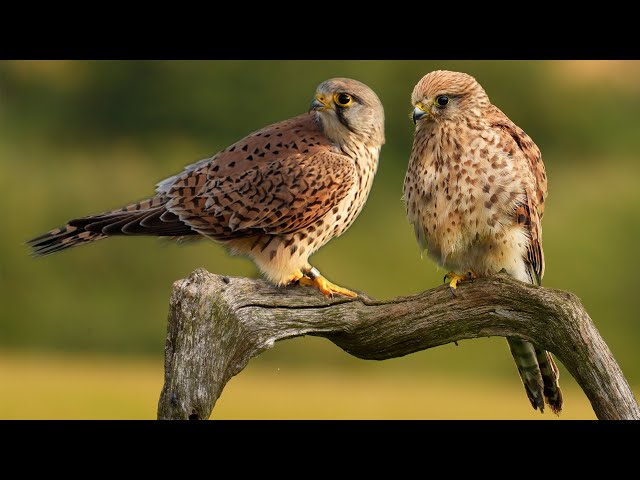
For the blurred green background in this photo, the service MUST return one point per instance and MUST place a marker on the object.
(82, 332)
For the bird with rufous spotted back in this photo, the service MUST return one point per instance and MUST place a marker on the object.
(276, 196)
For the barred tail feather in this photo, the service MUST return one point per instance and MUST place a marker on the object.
(548, 369)
(550, 376)
(61, 239)
(148, 217)
(526, 360)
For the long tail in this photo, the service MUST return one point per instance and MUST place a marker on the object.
(538, 371)
(524, 354)
(550, 376)
(148, 217)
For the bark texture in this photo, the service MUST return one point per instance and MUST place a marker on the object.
(217, 324)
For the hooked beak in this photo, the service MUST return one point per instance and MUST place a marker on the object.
(319, 104)
(418, 113)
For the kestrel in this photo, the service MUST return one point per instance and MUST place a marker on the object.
(474, 192)
(277, 195)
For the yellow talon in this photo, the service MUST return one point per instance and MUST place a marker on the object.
(326, 287)
(293, 278)
(455, 278)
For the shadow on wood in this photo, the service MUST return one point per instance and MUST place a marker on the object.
(217, 324)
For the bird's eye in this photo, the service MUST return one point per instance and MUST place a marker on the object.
(442, 100)
(342, 99)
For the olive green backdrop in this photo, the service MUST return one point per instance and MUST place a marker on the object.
(80, 137)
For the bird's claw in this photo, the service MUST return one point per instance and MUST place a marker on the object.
(294, 278)
(454, 279)
(327, 288)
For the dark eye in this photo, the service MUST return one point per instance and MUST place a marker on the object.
(342, 99)
(442, 100)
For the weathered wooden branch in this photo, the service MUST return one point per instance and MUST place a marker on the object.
(217, 324)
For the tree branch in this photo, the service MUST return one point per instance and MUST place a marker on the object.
(217, 324)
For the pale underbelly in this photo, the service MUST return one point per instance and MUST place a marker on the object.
(280, 256)
(484, 249)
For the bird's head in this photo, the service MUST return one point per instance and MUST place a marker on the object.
(443, 95)
(347, 108)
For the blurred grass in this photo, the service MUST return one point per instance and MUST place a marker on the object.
(83, 137)
(107, 387)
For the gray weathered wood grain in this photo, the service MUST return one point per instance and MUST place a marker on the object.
(217, 324)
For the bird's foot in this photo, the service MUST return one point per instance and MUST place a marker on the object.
(327, 288)
(293, 278)
(312, 278)
(454, 279)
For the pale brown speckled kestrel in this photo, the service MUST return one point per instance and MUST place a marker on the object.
(474, 192)
(277, 195)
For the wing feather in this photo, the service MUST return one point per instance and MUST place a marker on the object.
(528, 213)
(276, 181)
